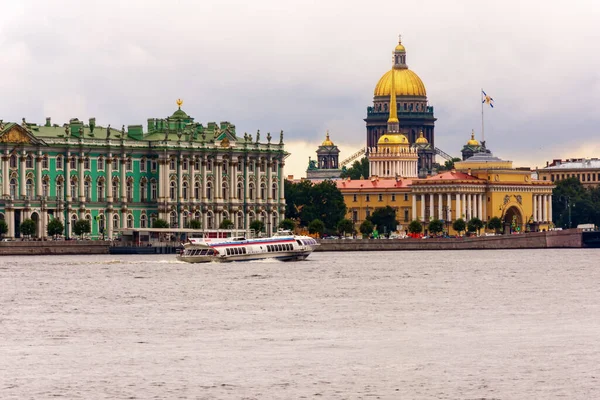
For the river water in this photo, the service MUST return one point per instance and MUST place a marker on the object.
(358, 325)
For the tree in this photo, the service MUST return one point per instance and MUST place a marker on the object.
(160, 223)
(435, 226)
(55, 227)
(459, 225)
(287, 224)
(3, 228)
(495, 224)
(357, 170)
(307, 201)
(27, 227)
(415, 227)
(257, 225)
(82, 227)
(316, 226)
(449, 164)
(384, 218)
(226, 224)
(475, 225)
(195, 224)
(345, 226)
(366, 228)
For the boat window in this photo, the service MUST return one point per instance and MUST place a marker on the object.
(299, 242)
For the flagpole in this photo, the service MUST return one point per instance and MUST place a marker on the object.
(482, 133)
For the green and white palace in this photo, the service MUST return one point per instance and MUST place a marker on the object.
(178, 170)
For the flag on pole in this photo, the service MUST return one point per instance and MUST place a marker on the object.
(487, 99)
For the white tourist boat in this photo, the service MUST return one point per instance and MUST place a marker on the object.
(282, 246)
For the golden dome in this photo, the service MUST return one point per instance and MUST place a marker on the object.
(400, 47)
(327, 142)
(421, 139)
(392, 139)
(407, 83)
(472, 142)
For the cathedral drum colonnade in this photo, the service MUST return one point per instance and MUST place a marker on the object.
(178, 170)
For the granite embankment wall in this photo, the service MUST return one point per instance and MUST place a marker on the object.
(19, 248)
(538, 240)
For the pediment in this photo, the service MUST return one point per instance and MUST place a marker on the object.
(16, 134)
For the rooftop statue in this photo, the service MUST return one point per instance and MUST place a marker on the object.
(269, 137)
(281, 137)
(258, 136)
(312, 164)
(108, 131)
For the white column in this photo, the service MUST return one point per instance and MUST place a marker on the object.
(534, 202)
(549, 208)
(108, 182)
(422, 216)
(545, 208)
(448, 215)
(123, 183)
(10, 220)
(440, 211)
(180, 183)
(269, 183)
(431, 206)
(540, 209)
(469, 212)
(414, 207)
(281, 183)
(67, 166)
(5, 183)
(457, 209)
(38, 176)
(203, 162)
(480, 207)
(22, 174)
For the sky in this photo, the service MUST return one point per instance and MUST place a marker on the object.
(306, 67)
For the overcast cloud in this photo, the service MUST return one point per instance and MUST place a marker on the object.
(309, 66)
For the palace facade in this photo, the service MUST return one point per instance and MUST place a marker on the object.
(586, 170)
(178, 170)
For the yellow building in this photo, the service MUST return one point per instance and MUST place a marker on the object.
(483, 186)
(586, 170)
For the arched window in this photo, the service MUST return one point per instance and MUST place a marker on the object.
(197, 215)
(129, 189)
(274, 191)
(45, 162)
(263, 191)
(130, 221)
(45, 188)
(143, 190)
(240, 220)
(209, 221)
(185, 217)
(115, 220)
(73, 221)
(101, 224)
(143, 221)
(60, 193)
(115, 189)
(13, 188)
(173, 191)
(240, 190)
(29, 161)
(29, 188)
(153, 190)
(100, 164)
(275, 218)
(152, 219)
(224, 191)
(197, 190)
(173, 219)
(59, 162)
(185, 190)
(86, 190)
(209, 190)
(251, 190)
(100, 189)
(73, 163)
(86, 163)
(73, 188)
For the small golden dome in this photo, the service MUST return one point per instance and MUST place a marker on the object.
(407, 83)
(421, 139)
(400, 47)
(396, 138)
(472, 142)
(327, 142)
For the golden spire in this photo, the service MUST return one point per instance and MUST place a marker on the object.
(179, 103)
(327, 141)
(393, 119)
(421, 139)
(473, 141)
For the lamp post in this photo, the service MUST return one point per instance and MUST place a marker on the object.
(567, 200)
(447, 212)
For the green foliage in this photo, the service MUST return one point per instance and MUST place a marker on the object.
(415, 227)
(82, 227)
(475, 225)
(307, 202)
(195, 224)
(287, 224)
(3, 227)
(27, 227)
(583, 204)
(160, 223)
(435, 226)
(257, 225)
(316, 226)
(366, 228)
(448, 165)
(359, 168)
(345, 226)
(459, 225)
(226, 224)
(384, 218)
(55, 227)
(495, 224)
